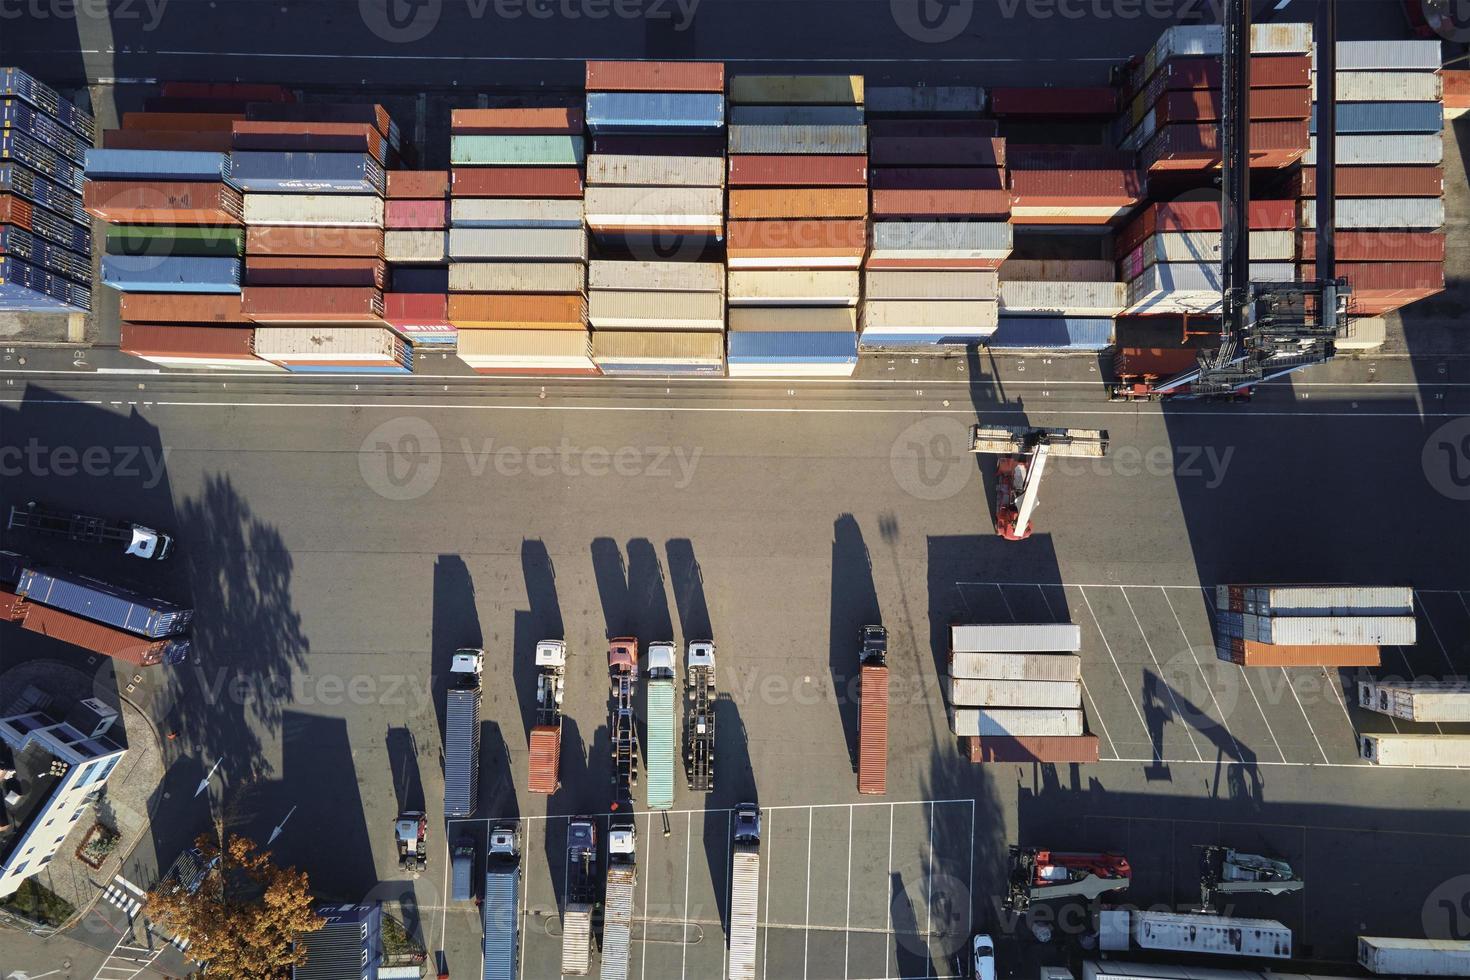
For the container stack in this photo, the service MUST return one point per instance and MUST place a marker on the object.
(941, 227)
(1389, 182)
(45, 241)
(798, 210)
(1015, 693)
(655, 208)
(517, 241)
(415, 244)
(1057, 304)
(1311, 625)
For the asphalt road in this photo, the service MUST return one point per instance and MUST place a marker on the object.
(339, 542)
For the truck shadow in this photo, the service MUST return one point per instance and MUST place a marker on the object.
(456, 624)
(854, 604)
(687, 582)
(734, 783)
(403, 759)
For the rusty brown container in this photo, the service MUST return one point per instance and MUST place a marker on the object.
(418, 184)
(1456, 88)
(541, 311)
(804, 202)
(322, 240)
(752, 170)
(545, 759)
(310, 137)
(207, 141)
(322, 112)
(15, 211)
(530, 182)
(176, 340)
(1380, 246)
(1196, 146)
(1380, 282)
(314, 304)
(60, 625)
(296, 270)
(193, 122)
(163, 202)
(1376, 182)
(1265, 215)
(655, 76)
(1032, 748)
(194, 308)
(1054, 103)
(815, 239)
(1040, 188)
(938, 178)
(471, 122)
(941, 204)
(873, 731)
(939, 151)
(1153, 362)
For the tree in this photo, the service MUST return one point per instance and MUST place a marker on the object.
(245, 915)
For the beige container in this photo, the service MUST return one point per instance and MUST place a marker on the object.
(796, 90)
(511, 212)
(926, 285)
(644, 346)
(351, 210)
(560, 244)
(537, 349)
(1386, 86)
(752, 319)
(693, 208)
(961, 315)
(683, 277)
(1064, 298)
(655, 310)
(416, 246)
(828, 287)
(516, 277)
(623, 170)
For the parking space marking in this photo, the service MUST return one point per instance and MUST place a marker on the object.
(647, 887)
(1109, 647)
(684, 929)
(847, 917)
(806, 935)
(1201, 671)
(929, 878)
(766, 946)
(1096, 712)
(888, 922)
(1173, 699)
(1302, 708)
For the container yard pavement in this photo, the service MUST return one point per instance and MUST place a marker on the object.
(339, 541)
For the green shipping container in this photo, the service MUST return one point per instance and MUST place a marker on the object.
(181, 240)
(525, 151)
(660, 753)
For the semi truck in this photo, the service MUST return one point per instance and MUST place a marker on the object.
(545, 748)
(699, 716)
(622, 668)
(662, 669)
(462, 870)
(462, 733)
(1427, 701)
(410, 834)
(873, 711)
(502, 902)
(581, 897)
(1386, 956)
(745, 880)
(617, 904)
(134, 540)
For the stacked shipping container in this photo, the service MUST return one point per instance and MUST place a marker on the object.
(1389, 182)
(798, 207)
(415, 245)
(45, 241)
(655, 208)
(517, 243)
(1311, 626)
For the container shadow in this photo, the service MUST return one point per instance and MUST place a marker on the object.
(853, 605)
(403, 759)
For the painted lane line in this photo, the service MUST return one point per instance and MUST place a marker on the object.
(1109, 647)
(1173, 699)
(766, 926)
(806, 933)
(1302, 708)
(684, 929)
(1244, 678)
(847, 918)
(1199, 668)
(647, 887)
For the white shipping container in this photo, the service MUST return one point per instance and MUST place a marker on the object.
(1209, 39)
(1385, 55)
(1347, 630)
(514, 212)
(628, 309)
(516, 277)
(416, 246)
(351, 210)
(818, 319)
(1381, 150)
(1064, 298)
(941, 239)
(1337, 600)
(1192, 287)
(619, 169)
(695, 208)
(1057, 270)
(692, 348)
(1186, 933)
(1015, 638)
(950, 314)
(1415, 750)
(930, 285)
(326, 343)
(1426, 701)
(556, 350)
(1204, 246)
(1118, 970)
(1056, 667)
(970, 692)
(1414, 957)
(1380, 212)
(782, 287)
(569, 244)
(679, 277)
(989, 722)
(1386, 86)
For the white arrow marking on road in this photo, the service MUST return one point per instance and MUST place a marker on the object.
(279, 827)
(204, 783)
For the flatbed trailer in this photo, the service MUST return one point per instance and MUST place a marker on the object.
(135, 539)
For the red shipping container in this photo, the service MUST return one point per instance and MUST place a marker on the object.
(1379, 246)
(941, 204)
(814, 170)
(971, 128)
(15, 211)
(191, 122)
(1153, 362)
(655, 76)
(315, 304)
(1385, 181)
(563, 119)
(1456, 88)
(1044, 188)
(1187, 146)
(1267, 71)
(1054, 102)
(309, 137)
(416, 309)
(297, 270)
(12, 607)
(323, 112)
(759, 239)
(1033, 748)
(545, 759)
(418, 184)
(191, 308)
(177, 340)
(1199, 216)
(163, 203)
(57, 624)
(516, 182)
(299, 240)
(1204, 105)
(951, 151)
(168, 139)
(242, 91)
(404, 214)
(873, 731)
(1392, 280)
(937, 178)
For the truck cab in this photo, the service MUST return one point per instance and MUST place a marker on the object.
(701, 656)
(582, 836)
(622, 838)
(505, 842)
(411, 832)
(551, 654)
(662, 660)
(467, 663)
(874, 646)
(622, 654)
(747, 824)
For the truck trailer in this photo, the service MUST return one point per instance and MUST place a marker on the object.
(545, 742)
(617, 903)
(873, 711)
(699, 716)
(581, 892)
(1415, 750)
(1177, 932)
(502, 902)
(134, 540)
(745, 880)
(1386, 956)
(462, 734)
(662, 669)
(1427, 701)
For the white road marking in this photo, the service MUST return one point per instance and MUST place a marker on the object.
(1302, 708)
(929, 879)
(1173, 699)
(888, 881)
(806, 933)
(1109, 647)
(970, 926)
(847, 918)
(1219, 713)
(444, 899)
(647, 887)
(684, 934)
(766, 946)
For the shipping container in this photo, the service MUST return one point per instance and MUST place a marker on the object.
(197, 240)
(941, 239)
(615, 169)
(838, 202)
(873, 729)
(1386, 55)
(1386, 117)
(987, 693)
(517, 277)
(1221, 935)
(655, 352)
(167, 139)
(796, 115)
(522, 151)
(796, 244)
(307, 173)
(1381, 212)
(1316, 600)
(689, 209)
(798, 171)
(326, 240)
(300, 304)
(1252, 653)
(939, 178)
(925, 100)
(516, 182)
(1153, 362)
(326, 112)
(19, 84)
(418, 183)
(776, 354)
(1391, 86)
(1196, 146)
(792, 319)
(632, 113)
(1046, 333)
(796, 89)
(1057, 270)
(932, 204)
(1020, 722)
(1349, 630)
(468, 212)
(675, 276)
(1094, 299)
(1265, 215)
(969, 284)
(175, 308)
(159, 203)
(18, 180)
(566, 244)
(1415, 750)
(1191, 287)
(416, 246)
(201, 122)
(176, 345)
(140, 651)
(945, 151)
(49, 256)
(362, 210)
(1014, 638)
(1427, 701)
(889, 315)
(409, 215)
(29, 288)
(1377, 150)
(655, 76)
(283, 270)
(299, 137)
(329, 343)
(645, 145)
(1053, 103)
(1040, 748)
(627, 309)
(1203, 247)
(165, 274)
(16, 115)
(529, 351)
(1414, 957)
(827, 287)
(543, 121)
(142, 165)
(1385, 181)
(545, 758)
(540, 311)
(103, 603)
(826, 140)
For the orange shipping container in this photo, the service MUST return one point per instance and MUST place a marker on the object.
(1032, 748)
(543, 311)
(418, 184)
(206, 308)
(941, 204)
(138, 650)
(561, 119)
(836, 202)
(1252, 653)
(545, 759)
(655, 76)
(754, 239)
(873, 731)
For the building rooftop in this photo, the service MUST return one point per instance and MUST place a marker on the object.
(34, 781)
(334, 952)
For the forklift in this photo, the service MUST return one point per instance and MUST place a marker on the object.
(1023, 454)
(1226, 871)
(1040, 875)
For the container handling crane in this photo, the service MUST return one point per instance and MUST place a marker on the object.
(1024, 453)
(1042, 875)
(1226, 871)
(699, 716)
(622, 665)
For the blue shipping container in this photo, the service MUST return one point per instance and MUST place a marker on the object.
(15, 179)
(877, 340)
(1386, 117)
(659, 369)
(171, 165)
(22, 244)
(171, 274)
(104, 603)
(1053, 333)
(15, 83)
(794, 346)
(307, 173)
(39, 157)
(612, 113)
(15, 114)
(54, 228)
(28, 287)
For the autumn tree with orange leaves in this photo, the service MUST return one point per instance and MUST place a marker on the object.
(244, 917)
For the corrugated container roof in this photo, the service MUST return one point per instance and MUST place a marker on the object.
(668, 171)
(1385, 181)
(837, 140)
(517, 277)
(929, 285)
(1063, 298)
(925, 100)
(611, 113)
(837, 202)
(1398, 86)
(1045, 666)
(798, 171)
(643, 346)
(1015, 638)
(304, 303)
(1386, 55)
(321, 173)
(117, 607)
(873, 731)
(416, 246)
(796, 115)
(789, 237)
(987, 722)
(160, 165)
(61, 625)
(938, 178)
(320, 340)
(792, 319)
(605, 204)
(525, 343)
(675, 276)
(954, 314)
(941, 204)
(544, 759)
(627, 309)
(1052, 333)
(531, 151)
(953, 151)
(655, 76)
(518, 243)
(418, 183)
(171, 274)
(1035, 748)
(837, 346)
(512, 310)
(782, 285)
(314, 209)
(516, 182)
(1381, 150)
(178, 308)
(185, 341)
(1059, 270)
(552, 120)
(987, 238)
(1381, 246)
(796, 89)
(549, 212)
(317, 240)
(1393, 213)
(1386, 117)
(157, 202)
